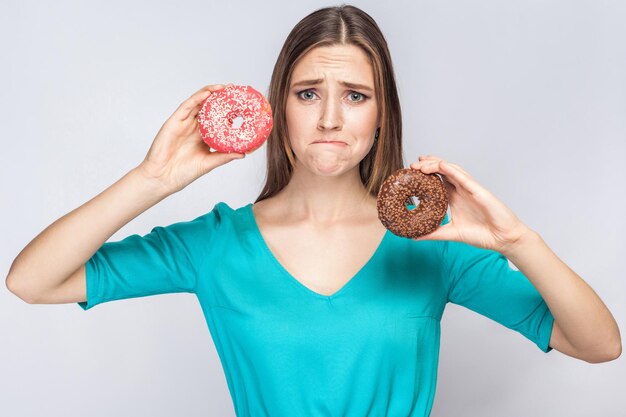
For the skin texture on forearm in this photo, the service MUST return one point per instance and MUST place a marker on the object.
(590, 331)
(68, 243)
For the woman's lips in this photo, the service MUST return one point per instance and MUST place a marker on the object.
(332, 143)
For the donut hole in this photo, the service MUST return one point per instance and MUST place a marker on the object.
(414, 201)
(237, 122)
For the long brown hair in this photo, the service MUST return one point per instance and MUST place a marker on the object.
(344, 25)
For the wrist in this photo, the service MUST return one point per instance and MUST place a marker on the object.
(150, 182)
(526, 239)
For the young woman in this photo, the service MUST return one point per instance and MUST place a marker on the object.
(314, 307)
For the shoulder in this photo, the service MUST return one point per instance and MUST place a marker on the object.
(223, 211)
(220, 215)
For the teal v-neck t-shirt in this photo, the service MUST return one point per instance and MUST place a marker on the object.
(369, 349)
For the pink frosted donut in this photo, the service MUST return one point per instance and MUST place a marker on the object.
(217, 119)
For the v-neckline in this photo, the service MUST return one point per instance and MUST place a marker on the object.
(284, 270)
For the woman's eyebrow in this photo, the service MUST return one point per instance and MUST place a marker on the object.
(348, 84)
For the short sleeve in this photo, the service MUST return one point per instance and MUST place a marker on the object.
(483, 281)
(166, 260)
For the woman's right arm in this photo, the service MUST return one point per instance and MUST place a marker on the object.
(51, 268)
(60, 251)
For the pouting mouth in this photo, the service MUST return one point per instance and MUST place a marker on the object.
(331, 141)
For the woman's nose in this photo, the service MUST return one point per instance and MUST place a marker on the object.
(330, 117)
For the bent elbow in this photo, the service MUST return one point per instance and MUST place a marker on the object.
(610, 355)
(14, 288)
(617, 351)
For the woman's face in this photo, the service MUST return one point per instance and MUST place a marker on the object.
(331, 109)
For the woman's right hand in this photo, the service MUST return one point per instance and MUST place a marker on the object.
(178, 155)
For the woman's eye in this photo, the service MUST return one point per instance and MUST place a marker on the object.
(309, 95)
(306, 95)
(355, 97)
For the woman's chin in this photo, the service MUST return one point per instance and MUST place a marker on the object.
(325, 166)
(329, 170)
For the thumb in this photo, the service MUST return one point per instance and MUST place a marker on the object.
(444, 232)
(213, 160)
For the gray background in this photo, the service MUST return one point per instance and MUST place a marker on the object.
(529, 97)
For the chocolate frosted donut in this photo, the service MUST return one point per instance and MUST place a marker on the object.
(396, 190)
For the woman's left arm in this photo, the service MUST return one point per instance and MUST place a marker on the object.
(583, 327)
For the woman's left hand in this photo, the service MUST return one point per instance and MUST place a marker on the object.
(478, 217)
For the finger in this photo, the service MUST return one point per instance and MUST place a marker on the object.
(194, 112)
(430, 167)
(459, 168)
(431, 164)
(445, 232)
(429, 158)
(193, 103)
(214, 159)
(211, 87)
(424, 159)
(191, 106)
(453, 175)
(435, 166)
(449, 186)
(427, 167)
(458, 177)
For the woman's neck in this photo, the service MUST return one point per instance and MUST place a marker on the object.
(325, 200)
